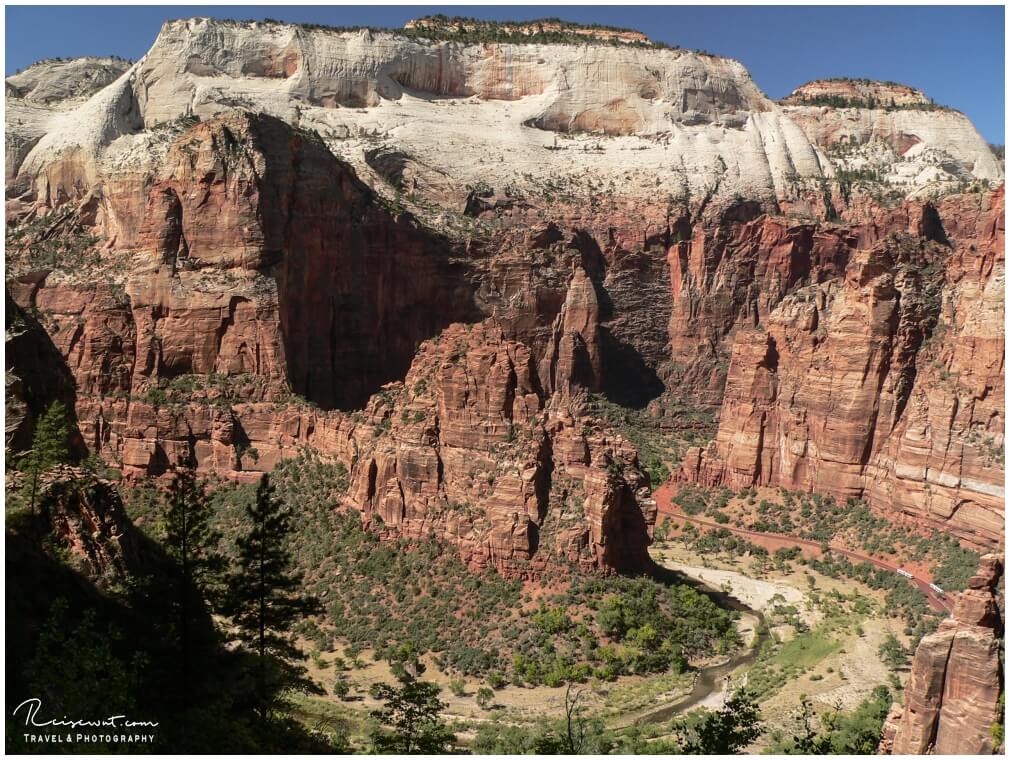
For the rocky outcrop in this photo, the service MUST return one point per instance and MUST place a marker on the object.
(858, 91)
(859, 386)
(365, 89)
(440, 25)
(243, 244)
(952, 697)
(259, 267)
(55, 81)
(36, 375)
(470, 447)
(891, 129)
(82, 516)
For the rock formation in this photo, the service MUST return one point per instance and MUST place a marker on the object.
(859, 384)
(417, 255)
(952, 696)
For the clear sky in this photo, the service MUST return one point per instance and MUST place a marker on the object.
(955, 54)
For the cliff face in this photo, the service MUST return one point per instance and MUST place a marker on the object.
(859, 382)
(953, 692)
(258, 229)
(259, 267)
(458, 109)
(471, 446)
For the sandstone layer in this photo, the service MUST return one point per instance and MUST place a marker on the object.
(880, 377)
(692, 124)
(418, 256)
(952, 696)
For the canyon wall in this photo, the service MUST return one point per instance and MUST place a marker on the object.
(261, 288)
(883, 381)
(952, 695)
(419, 257)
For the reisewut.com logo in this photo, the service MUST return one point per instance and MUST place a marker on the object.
(113, 729)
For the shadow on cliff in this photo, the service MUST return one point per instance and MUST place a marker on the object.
(361, 282)
(37, 376)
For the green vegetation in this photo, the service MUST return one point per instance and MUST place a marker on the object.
(380, 594)
(840, 101)
(661, 443)
(722, 541)
(50, 447)
(265, 600)
(53, 241)
(855, 733)
(892, 653)
(191, 545)
(77, 667)
(728, 730)
(476, 31)
(779, 663)
(821, 518)
(411, 720)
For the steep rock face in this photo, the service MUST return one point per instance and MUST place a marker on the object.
(861, 386)
(952, 696)
(36, 376)
(470, 447)
(575, 356)
(255, 253)
(890, 128)
(52, 82)
(34, 95)
(886, 94)
(731, 277)
(354, 86)
(664, 238)
(330, 68)
(83, 516)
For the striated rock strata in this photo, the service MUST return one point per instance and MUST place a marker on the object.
(952, 697)
(882, 382)
(259, 228)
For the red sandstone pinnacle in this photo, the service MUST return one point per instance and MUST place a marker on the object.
(467, 448)
(952, 696)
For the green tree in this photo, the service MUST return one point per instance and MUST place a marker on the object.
(76, 669)
(264, 601)
(341, 686)
(192, 545)
(854, 733)
(412, 720)
(485, 697)
(724, 732)
(50, 447)
(892, 653)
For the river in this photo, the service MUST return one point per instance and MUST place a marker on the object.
(710, 682)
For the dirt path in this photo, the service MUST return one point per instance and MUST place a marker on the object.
(663, 497)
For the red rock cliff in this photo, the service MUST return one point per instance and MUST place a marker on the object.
(881, 378)
(952, 696)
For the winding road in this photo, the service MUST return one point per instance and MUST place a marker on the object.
(936, 601)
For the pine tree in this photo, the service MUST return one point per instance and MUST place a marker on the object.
(191, 544)
(49, 448)
(264, 600)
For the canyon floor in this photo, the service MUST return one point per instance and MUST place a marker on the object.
(837, 657)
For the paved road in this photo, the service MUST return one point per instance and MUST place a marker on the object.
(936, 601)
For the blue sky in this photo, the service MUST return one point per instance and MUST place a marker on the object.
(954, 54)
